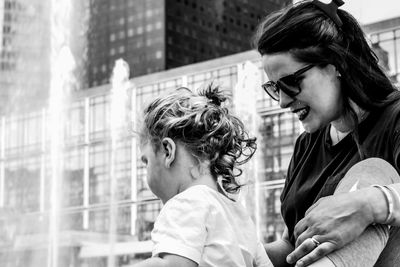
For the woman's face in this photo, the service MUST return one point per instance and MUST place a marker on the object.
(320, 100)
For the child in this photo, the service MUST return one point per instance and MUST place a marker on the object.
(191, 147)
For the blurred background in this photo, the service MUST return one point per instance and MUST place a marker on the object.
(74, 76)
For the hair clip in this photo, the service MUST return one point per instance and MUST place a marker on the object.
(330, 10)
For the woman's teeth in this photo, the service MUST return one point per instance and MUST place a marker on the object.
(302, 113)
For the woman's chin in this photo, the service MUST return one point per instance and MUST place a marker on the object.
(308, 127)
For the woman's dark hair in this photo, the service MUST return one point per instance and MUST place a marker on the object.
(310, 36)
(206, 128)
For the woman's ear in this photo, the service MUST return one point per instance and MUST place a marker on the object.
(169, 149)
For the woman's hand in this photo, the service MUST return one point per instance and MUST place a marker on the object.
(333, 221)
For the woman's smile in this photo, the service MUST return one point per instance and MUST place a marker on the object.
(302, 113)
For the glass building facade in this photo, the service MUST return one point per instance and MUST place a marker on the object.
(101, 212)
(385, 40)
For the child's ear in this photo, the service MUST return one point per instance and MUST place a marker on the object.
(169, 149)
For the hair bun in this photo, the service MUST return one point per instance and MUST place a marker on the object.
(214, 94)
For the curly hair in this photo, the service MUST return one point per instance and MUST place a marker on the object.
(205, 128)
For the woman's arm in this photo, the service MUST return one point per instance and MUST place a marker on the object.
(278, 250)
(337, 220)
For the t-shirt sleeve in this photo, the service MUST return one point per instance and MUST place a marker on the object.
(180, 228)
(261, 258)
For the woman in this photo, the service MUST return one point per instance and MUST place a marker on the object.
(321, 68)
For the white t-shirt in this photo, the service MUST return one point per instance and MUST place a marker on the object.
(205, 226)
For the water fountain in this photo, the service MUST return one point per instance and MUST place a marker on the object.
(62, 65)
(119, 122)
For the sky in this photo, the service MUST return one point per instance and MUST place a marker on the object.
(368, 11)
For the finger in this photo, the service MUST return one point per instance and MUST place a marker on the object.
(300, 228)
(303, 249)
(316, 254)
(308, 233)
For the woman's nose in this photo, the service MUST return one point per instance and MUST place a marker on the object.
(284, 99)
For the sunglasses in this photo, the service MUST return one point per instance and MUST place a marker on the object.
(289, 84)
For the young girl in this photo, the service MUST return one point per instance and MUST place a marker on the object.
(192, 147)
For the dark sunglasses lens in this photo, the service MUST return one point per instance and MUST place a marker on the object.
(289, 85)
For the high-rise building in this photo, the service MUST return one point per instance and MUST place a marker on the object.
(155, 35)
(24, 53)
(28, 29)
(151, 35)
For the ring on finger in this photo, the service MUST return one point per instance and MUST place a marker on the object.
(315, 241)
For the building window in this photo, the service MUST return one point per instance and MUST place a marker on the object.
(149, 28)
(112, 51)
(121, 35)
(158, 25)
(140, 30)
(170, 26)
(121, 49)
(112, 37)
(157, 11)
(158, 54)
(121, 21)
(130, 32)
(99, 110)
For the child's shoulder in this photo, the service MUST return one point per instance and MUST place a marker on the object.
(195, 197)
(194, 201)
(196, 193)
